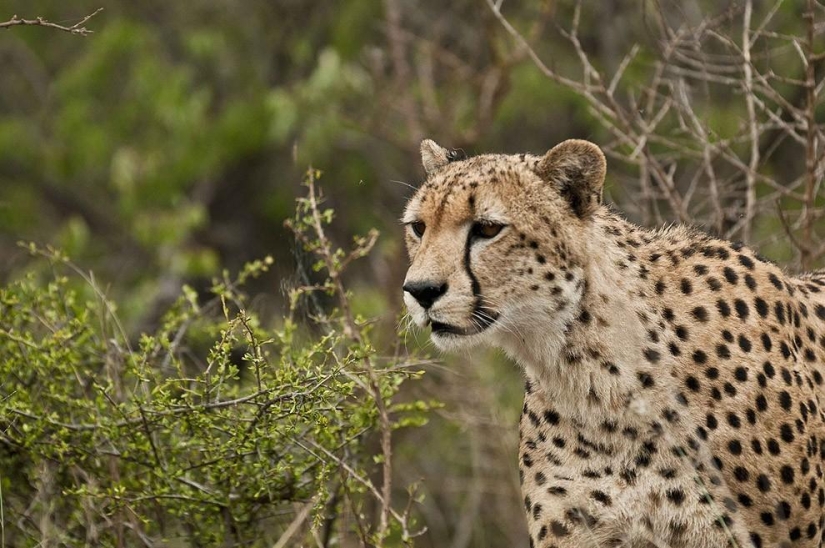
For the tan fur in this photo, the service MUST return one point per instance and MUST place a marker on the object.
(674, 380)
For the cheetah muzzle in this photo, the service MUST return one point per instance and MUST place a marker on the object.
(674, 380)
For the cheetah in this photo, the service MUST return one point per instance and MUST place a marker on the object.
(673, 380)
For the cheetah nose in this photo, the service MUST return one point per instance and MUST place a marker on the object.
(426, 293)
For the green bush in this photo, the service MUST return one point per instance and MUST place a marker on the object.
(214, 429)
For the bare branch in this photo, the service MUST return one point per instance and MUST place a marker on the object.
(750, 180)
(77, 28)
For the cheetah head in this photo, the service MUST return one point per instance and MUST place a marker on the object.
(495, 242)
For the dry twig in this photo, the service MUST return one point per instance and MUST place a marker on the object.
(77, 28)
(708, 170)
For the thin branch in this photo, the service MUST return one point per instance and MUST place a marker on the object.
(77, 28)
(812, 146)
(327, 254)
(750, 180)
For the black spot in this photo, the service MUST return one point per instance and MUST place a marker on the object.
(700, 357)
(775, 281)
(602, 497)
(692, 383)
(735, 447)
(714, 284)
(551, 417)
(741, 473)
(786, 433)
(763, 483)
(766, 342)
(676, 496)
(686, 286)
(746, 261)
(730, 275)
(787, 474)
(723, 307)
(559, 529)
(630, 432)
(744, 343)
(700, 313)
(646, 380)
(761, 403)
(660, 287)
(756, 539)
(785, 400)
(722, 351)
(741, 309)
(773, 447)
(651, 355)
(761, 307)
(741, 374)
(681, 332)
(779, 310)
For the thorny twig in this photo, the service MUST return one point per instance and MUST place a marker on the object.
(327, 254)
(77, 28)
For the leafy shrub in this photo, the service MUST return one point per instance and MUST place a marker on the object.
(213, 430)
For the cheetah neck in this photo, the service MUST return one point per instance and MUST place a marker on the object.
(589, 368)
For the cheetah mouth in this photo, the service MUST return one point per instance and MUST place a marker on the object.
(481, 317)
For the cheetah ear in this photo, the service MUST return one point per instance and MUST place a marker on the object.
(433, 156)
(577, 169)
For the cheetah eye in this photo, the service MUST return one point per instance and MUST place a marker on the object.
(486, 229)
(418, 228)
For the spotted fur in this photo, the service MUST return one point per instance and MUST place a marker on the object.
(674, 380)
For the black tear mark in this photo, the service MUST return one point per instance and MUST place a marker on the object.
(481, 313)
